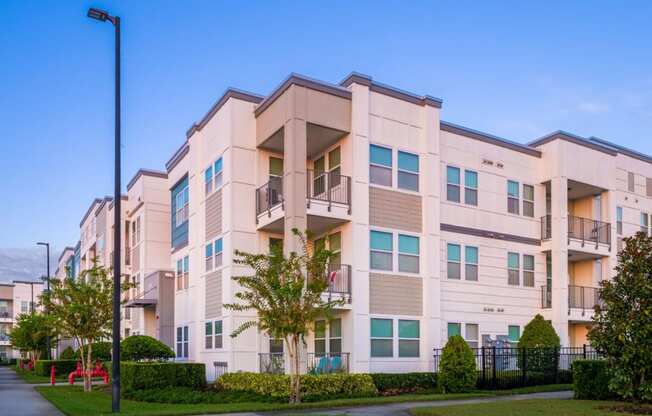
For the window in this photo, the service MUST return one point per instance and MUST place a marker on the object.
(181, 205)
(648, 187)
(452, 184)
(471, 263)
(133, 234)
(408, 254)
(644, 223)
(471, 333)
(514, 333)
(381, 250)
(275, 244)
(182, 342)
(186, 271)
(454, 329)
(470, 187)
(24, 306)
(453, 254)
(630, 182)
(619, 220)
(179, 274)
(209, 257)
(182, 273)
(528, 270)
(275, 167)
(513, 269)
(331, 343)
(213, 335)
(208, 179)
(408, 338)
(320, 337)
(382, 338)
(408, 171)
(512, 197)
(528, 200)
(217, 167)
(219, 247)
(334, 161)
(276, 346)
(380, 165)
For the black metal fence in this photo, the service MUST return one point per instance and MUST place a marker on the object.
(510, 367)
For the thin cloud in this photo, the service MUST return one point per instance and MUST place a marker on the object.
(25, 263)
(592, 107)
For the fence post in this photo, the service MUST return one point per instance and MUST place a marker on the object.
(524, 366)
(584, 351)
(493, 366)
(558, 361)
(484, 367)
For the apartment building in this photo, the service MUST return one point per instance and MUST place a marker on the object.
(16, 298)
(65, 263)
(151, 300)
(439, 229)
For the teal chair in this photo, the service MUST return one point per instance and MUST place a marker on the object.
(322, 365)
(336, 364)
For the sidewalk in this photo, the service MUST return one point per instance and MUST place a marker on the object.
(20, 399)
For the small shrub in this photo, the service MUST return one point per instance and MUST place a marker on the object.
(144, 348)
(99, 351)
(142, 376)
(67, 354)
(541, 344)
(61, 367)
(457, 367)
(591, 380)
(392, 384)
(313, 387)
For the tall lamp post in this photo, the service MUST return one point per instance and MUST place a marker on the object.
(47, 283)
(103, 16)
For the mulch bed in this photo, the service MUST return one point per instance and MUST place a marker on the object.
(631, 409)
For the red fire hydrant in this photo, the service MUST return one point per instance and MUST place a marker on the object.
(52, 375)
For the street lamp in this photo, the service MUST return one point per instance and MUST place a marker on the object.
(103, 16)
(47, 282)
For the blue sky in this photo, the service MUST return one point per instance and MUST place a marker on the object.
(515, 69)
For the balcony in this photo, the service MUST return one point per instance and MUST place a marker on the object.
(584, 234)
(582, 301)
(339, 282)
(328, 202)
(328, 363)
(546, 297)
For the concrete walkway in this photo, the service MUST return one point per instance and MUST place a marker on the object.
(20, 399)
(403, 408)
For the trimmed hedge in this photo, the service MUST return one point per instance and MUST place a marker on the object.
(591, 380)
(392, 384)
(61, 367)
(313, 387)
(144, 348)
(142, 376)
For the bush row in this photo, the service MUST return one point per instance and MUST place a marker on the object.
(61, 367)
(391, 384)
(132, 348)
(141, 376)
(313, 387)
(591, 380)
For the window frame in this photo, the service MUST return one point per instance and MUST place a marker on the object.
(408, 339)
(525, 201)
(181, 210)
(471, 189)
(218, 253)
(468, 264)
(518, 328)
(383, 251)
(381, 166)
(416, 256)
(449, 261)
(182, 351)
(528, 272)
(473, 343)
(512, 269)
(516, 198)
(373, 338)
(448, 327)
(645, 223)
(450, 184)
(619, 220)
(208, 256)
(406, 171)
(218, 177)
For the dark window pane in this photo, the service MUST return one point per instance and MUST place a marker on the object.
(408, 181)
(335, 345)
(512, 205)
(320, 346)
(528, 209)
(381, 348)
(470, 196)
(453, 270)
(513, 277)
(408, 348)
(381, 260)
(453, 193)
(471, 272)
(408, 264)
(380, 176)
(528, 279)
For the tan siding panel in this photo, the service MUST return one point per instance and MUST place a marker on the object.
(214, 215)
(396, 210)
(395, 295)
(214, 294)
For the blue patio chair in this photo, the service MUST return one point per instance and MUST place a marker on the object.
(322, 366)
(336, 364)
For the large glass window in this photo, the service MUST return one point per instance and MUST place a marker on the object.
(208, 180)
(470, 187)
(454, 329)
(528, 200)
(381, 250)
(513, 269)
(619, 220)
(408, 171)
(182, 342)
(181, 206)
(380, 165)
(219, 247)
(453, 254)
(408, 254)
(471, 263)
(209, 256)
(218, 173)
(408, 338)
(382, 338)
(452, 184)
(528, 270)
(512, 197)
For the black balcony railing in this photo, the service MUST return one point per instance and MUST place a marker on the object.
(582, 297)
(588, 230)
(271, 362)
(584, 229)
(339, 280)
(328, 363)
(269, 195)
(546, 297)
(330, 187)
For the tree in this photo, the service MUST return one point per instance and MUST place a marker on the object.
(623, 321)
(539, 346)
(31, 332)
(144, 348)
(82, 309)
(457, 372)
(286, 293)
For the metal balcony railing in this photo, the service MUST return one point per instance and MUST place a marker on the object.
(330, 187)
(586, 229)
(271, 363)
(339, 280)
(546, 297)
(582, 297)
(269, 195)
(328, 362)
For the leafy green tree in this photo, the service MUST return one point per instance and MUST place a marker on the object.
(67, 354)
(82, 309)
(541, 344)
(31, 332)
(144, 348)
(623, 321)
(457, 372)
(286, 293)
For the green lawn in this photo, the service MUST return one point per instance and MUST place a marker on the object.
(72, 401)
(31, 378)
(537, 407)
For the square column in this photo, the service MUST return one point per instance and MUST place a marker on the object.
(294, 181)
(560, 279)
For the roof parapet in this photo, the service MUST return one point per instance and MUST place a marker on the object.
(363, 79)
